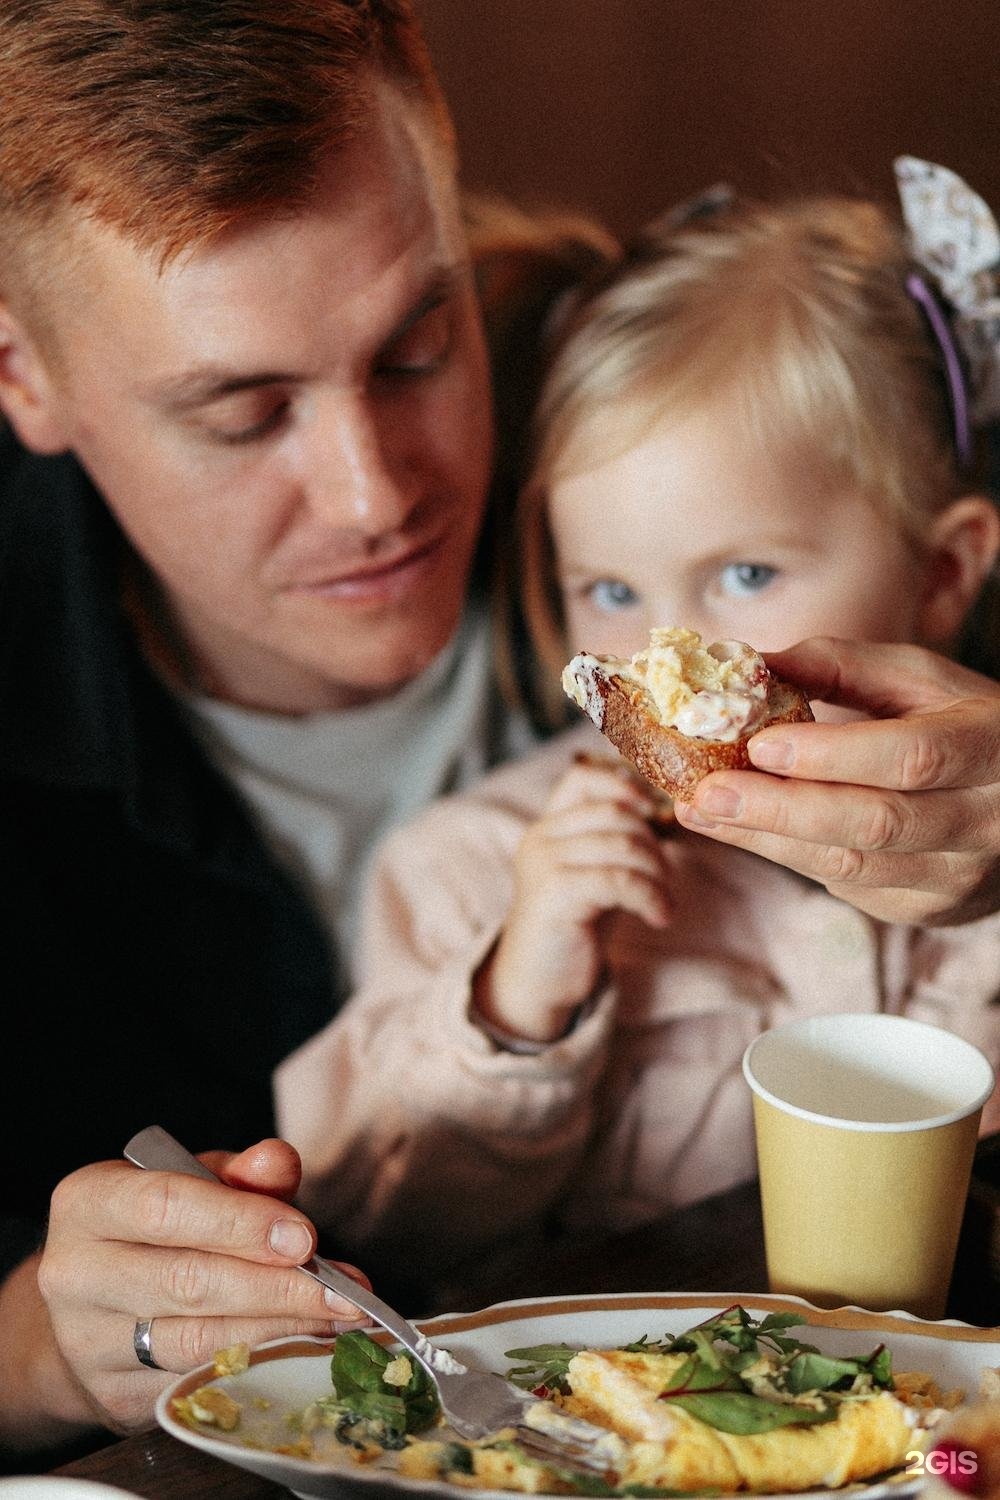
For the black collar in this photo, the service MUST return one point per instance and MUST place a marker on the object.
(79, 706)
(66, 657)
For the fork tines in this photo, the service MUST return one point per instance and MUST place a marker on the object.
(563, 1453)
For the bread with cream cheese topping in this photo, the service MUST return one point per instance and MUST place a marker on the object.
(679, 709)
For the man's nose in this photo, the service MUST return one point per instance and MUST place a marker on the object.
(353, 477)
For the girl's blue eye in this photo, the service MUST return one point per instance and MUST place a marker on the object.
(610, 594)
(743, 579)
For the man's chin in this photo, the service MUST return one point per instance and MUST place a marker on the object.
(375, 673)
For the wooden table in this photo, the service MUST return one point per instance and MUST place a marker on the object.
(716, 1245)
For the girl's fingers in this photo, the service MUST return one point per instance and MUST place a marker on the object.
(591, 890)
(592, 817)
(593, 783)
(621, 850)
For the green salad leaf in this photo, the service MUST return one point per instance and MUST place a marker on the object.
(740, 1412)
(738, 1374)
(701, 1375)
(542, 1365)
(809, 1371)
(357, 1370)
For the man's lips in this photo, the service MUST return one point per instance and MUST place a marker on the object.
(376, 581)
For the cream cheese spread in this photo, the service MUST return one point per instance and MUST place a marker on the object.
(717, 692)
(439, 1359)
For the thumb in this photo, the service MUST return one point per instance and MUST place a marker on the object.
(272, 1167)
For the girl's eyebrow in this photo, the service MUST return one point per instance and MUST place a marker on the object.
(211, 382)
(576, 574)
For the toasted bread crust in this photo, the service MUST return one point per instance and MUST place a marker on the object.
(675, 762)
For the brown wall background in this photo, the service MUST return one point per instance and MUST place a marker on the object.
(626, 106)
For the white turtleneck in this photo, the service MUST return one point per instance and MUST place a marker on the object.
(325, 787)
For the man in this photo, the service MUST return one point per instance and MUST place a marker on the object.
(245, 305)
(235, 290)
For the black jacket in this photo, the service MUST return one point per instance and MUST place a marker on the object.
(155, 963)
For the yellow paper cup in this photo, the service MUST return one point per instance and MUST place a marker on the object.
(866, 1125)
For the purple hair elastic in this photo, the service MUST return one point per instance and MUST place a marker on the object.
(922, 294)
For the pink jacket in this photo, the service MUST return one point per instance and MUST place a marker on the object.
(419, 1135)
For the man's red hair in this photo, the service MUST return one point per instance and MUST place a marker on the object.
(170, 119)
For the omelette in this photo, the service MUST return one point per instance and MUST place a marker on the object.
(670, 1409)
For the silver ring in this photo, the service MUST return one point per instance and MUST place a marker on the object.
(140, 1343)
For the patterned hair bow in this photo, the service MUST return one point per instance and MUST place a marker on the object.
(954, 237)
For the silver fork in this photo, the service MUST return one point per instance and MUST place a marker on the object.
(475, 1403)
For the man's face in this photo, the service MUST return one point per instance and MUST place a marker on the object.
(293, 423)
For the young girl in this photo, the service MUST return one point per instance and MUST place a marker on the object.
(746, 430)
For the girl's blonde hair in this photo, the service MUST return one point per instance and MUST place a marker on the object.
(799, 312)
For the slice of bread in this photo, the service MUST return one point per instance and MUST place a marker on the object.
(672, 761)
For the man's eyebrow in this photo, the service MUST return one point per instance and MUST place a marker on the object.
(210, 383)
(442, 284)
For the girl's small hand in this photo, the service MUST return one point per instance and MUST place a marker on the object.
(591, 852)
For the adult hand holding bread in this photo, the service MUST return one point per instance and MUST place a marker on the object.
(899, 813)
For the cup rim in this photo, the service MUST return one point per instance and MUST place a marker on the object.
(930, 1122)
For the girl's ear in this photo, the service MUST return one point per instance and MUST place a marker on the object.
(961, 548)
(28, 397)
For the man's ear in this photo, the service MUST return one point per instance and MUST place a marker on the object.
(28, 397)
(961, 548)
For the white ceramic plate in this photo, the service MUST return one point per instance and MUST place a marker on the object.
(289, 1373)
(60, 1487)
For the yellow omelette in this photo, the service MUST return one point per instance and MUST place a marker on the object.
(664, 1446)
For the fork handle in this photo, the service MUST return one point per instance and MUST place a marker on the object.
(157, 1150)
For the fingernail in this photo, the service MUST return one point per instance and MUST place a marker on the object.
(722, 801)
(771, 755)
(290, 1238)
(348, 1325)
(340, 1305)
(690, 817)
